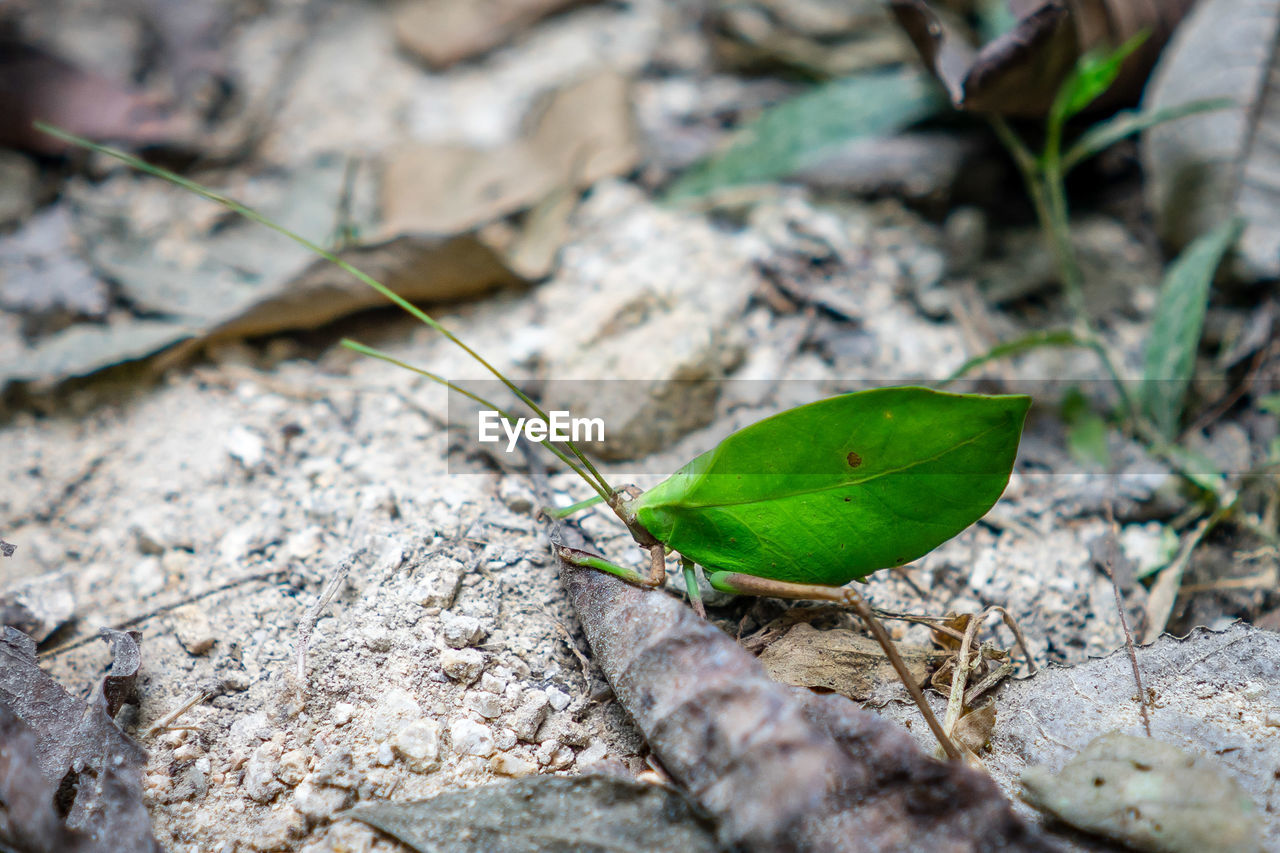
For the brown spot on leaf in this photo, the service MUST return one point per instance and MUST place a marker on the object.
(853, 459)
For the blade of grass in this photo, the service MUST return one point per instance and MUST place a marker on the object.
(596, 480)
(795, 132)
(1104, 134)
(1175, 334)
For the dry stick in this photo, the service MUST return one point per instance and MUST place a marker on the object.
(190, 702)
(960, 673)
(165, 608)
(1124, 620)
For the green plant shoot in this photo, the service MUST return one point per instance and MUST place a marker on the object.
(794, 506)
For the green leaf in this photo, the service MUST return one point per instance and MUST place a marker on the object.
(1175, 334)
(837, 489)
(1094, 73)
(1017, 346)
(797, 132)
(1270, 404)
(545, 814)
(1104, 134)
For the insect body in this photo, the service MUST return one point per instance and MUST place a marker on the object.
(827, 493)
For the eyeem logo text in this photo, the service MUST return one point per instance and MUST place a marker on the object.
(561, 427)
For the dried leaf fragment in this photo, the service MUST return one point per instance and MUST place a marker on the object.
(842, 661)
(580, 134)
(1150, 795)
(546, 813)
(443, 32)
(1018, 73)
(78, 746)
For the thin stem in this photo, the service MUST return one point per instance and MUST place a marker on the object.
(355, 346)
(253, 216)
(863, 609)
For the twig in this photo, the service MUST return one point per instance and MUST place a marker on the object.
(164, 608)
(190, 702)
(1124, 620)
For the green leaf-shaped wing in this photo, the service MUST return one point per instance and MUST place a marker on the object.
(837, 489)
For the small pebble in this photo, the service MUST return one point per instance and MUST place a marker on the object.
(471, 738)
(528, 718)
(458, 632)
(260, 783)
(318, 802)
(292, 767)
(506, 764)
(463, 665)
(558, 698)
(192, 627)
(486, 705)
(419, 745)
(342, 713)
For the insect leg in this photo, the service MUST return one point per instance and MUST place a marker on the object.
(657, 565)
(737, 582)
(691, 586)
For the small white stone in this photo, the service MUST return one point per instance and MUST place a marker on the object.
(419, 745)
(460, 631)
(486, 705)
(342, 713)
(292, 767)
(528, 718)
(593, 754)
(558, 698)
(471, 738)
(463, 665)
(245, 446)
(193, 629)
(441, 579)
(260, 783)
(386, 756)
(318, 802)
(397, 708)
(506, 764)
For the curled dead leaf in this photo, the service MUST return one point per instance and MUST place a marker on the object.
(1018, 73)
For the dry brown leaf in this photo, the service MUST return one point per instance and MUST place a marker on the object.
(36, 85)
(973, 731)
(581, 134)
(841, 661)
(443, 32)
(1018, 74)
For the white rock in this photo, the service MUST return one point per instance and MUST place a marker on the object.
(441, 580)
(342, 713)
(397, 709)
(471, 738)
(419, 745)
(462, 665)
(260, 783)
(193, 629)
(506, 764)
(486, 705)
(245, 446)
(528, 718)
(460, 631)
(318, 802)
(558, 698)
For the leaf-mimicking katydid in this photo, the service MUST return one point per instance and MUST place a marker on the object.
(795, 506)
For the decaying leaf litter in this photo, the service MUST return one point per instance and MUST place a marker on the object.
(259, 441)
